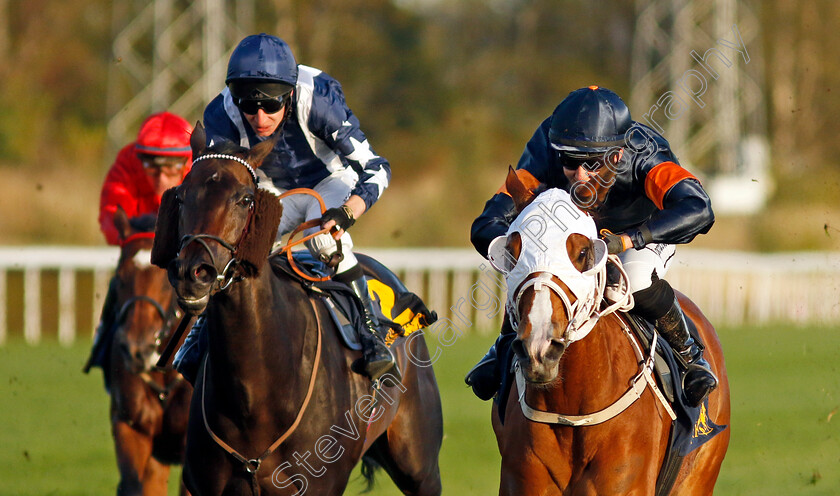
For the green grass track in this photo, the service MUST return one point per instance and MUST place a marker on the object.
(55, 439)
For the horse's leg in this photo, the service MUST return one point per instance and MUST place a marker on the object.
(410, 448)
(134, 450)
(519, 476)
(156, 478)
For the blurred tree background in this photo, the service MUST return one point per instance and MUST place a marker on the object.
(449, 91)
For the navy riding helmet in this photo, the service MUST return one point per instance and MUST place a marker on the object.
(264, 62)
(589, 120)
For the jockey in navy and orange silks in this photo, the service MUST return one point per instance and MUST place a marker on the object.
(626, 176)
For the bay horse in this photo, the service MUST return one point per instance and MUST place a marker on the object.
(277, 409)
(588, 418)
(149, 407)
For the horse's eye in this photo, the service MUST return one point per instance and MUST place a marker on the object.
(584, 252)
(246, 201)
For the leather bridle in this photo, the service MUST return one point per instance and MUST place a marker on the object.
(228, 275)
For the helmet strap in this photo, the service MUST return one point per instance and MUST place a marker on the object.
(287, 111)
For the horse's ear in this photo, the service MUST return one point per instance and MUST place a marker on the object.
(198, 140)
(257, 154)
(256, 245)
(121, 223)
(522, 195)
(165, 246)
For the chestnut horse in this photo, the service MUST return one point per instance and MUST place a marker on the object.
(149, 408)
(601, 425)
(277, 409)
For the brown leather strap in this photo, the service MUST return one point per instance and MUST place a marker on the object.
(306, 225)
(251, 466)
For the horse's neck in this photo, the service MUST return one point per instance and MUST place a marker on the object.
(256, 333)
(593, 372)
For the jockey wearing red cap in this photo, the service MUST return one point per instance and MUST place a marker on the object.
(158, 160)
(144, 169)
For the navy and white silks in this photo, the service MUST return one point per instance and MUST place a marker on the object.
(321, 146)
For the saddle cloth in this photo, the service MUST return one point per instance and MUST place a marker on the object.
(400, 312)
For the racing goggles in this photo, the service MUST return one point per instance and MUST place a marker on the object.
(267, 105)
(571, 160)
(167, 165)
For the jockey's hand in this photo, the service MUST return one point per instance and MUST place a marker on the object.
(339, 217)
(616, 243)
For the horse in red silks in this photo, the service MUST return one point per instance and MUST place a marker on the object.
(588, 417)
(149, 407)
(277, 408)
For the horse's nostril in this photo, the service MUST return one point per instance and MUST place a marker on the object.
(519, 349)
(204, 273)
(555, 350)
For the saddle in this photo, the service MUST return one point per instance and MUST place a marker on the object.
(692, 428)
(400, 312)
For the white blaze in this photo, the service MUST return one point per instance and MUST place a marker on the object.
(143, 258)
(540, 319)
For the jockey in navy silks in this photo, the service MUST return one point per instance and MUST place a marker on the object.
(625, 175)
(320, 146)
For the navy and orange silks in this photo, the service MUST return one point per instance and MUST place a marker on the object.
(653, 199)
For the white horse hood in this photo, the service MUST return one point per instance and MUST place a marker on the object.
(544, 226)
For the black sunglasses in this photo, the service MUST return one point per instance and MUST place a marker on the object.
(593, 161)
(268, 105)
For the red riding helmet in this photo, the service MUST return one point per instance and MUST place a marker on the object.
(165, 134)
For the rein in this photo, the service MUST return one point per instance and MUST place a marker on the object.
(640, 381)
(252, 465)
(306, 225)
(162, 391)
(583, 314)
(582, 318)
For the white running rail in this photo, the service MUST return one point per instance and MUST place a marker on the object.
(732, 288)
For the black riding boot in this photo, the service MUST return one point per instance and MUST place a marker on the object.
(484, 377)
(698, 379)
(102, 336)
(377, 356)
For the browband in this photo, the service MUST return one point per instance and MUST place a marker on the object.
(230, 157)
